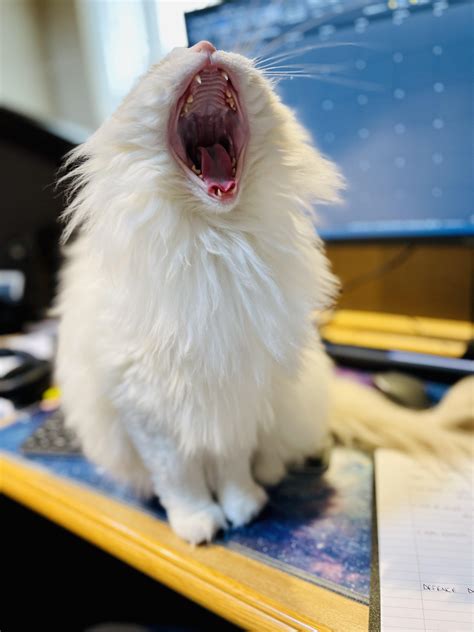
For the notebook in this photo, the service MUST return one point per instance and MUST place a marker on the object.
(425, 544)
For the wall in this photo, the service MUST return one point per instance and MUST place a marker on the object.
(41, 62)
(23, 83)
(64, 67)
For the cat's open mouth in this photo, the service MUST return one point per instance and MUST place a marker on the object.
(208, 131)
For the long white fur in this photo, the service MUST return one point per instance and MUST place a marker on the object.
(187, 358)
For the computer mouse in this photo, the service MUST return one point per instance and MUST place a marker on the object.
(402, 389)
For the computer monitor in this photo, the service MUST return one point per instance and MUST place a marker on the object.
(392, 104)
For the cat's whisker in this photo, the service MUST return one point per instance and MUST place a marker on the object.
(304, 49)
(344, 81)
(306, 67)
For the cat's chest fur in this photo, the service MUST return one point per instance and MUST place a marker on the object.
(206, 320)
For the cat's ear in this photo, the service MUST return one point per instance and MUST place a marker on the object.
(323, 178)
(316, 178)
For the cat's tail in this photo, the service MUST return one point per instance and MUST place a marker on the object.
(362, 416)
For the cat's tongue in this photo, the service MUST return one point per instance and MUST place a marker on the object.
(216, 169)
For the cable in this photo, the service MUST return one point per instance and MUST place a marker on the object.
(392, 264)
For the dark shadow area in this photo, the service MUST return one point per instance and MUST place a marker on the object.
(58, 582)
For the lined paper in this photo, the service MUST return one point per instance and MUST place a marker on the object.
(425, 539)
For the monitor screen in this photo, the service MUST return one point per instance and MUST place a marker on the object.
(389, 97)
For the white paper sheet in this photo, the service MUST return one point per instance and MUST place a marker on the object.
(425, 537)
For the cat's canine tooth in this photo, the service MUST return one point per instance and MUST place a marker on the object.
(219, 193)
(190, 99)
(196, 170)
(225, 75)
(228, 93)
(198, 79)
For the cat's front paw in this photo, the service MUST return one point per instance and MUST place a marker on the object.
(241, 505)
(197, 526)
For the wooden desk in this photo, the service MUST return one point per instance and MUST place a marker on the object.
(242, 590)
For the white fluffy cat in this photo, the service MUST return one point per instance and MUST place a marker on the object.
(187, 358)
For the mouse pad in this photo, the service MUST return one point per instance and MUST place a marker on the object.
(318, 528)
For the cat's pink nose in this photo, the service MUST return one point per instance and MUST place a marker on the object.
(204, 47)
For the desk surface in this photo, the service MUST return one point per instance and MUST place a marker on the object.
(244, 590)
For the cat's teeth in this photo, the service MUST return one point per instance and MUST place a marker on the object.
(190, 99)
(233, 171)
(196, 170)
(198, 79)
(225, 75)
(233, 162)
(228, 93)
(219, 193)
